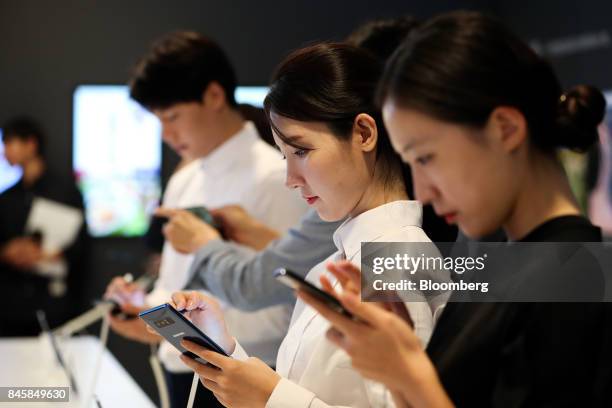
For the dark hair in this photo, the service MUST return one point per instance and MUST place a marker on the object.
(178, 68)
(24, 128)
(331, 83)
(460, 66)
(381, 37)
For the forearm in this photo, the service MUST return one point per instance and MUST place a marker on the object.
(237, 275)
(259, 237)
(243, 277)
(425, 391)
(288, 394)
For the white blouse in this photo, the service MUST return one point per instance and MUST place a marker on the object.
(315, 372)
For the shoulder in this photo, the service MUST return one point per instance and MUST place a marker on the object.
(62, 189)
(407, 233)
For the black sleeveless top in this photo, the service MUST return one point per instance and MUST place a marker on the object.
(527, 354)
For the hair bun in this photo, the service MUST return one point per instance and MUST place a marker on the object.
(581, 110)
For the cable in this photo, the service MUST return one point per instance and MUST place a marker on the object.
(194, 389)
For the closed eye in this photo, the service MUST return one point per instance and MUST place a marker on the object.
(301, 152)
(423, 160)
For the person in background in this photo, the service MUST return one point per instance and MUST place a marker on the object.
(187, 81)
(480, 116)
(24, 289)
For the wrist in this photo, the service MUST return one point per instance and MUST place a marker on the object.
(261, 235)
(425, 388)
(204, 237)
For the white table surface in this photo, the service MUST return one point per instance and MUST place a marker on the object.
(30, 362)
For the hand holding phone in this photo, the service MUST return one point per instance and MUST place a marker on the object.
(186, 229)
(203, 214)
(295, 281)
(173, 326)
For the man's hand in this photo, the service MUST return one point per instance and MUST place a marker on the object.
(134, 328)
(238, 225)
(186, 232)
(23, 253)
(125, 293)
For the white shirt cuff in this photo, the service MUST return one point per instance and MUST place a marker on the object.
(239, 353)
(289, 394)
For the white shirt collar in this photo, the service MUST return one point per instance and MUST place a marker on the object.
(372, 224)
(235, 147)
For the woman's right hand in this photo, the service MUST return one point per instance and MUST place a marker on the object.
(382, 346)
(205, 312)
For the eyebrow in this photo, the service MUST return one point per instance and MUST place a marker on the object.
(411, 145)
(293, 138)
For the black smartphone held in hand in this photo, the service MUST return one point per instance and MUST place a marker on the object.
(173, 326)
(295, 281)
(203, 214)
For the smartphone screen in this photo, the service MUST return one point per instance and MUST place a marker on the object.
(295, 281)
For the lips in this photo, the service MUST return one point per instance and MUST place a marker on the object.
(310, 199)
(450, 218)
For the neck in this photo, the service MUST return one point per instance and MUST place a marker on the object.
(229, 122)
(545, 194)
(32, 170)
(375, 196)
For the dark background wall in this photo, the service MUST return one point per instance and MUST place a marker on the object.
(49, 47)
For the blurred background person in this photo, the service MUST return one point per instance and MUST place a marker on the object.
(25, 285)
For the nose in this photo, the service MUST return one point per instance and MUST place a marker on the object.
(168, 135)
(293, 179)
(424, 189)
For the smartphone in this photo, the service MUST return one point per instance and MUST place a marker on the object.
(173, 326)
(295, 281)
(203, 214)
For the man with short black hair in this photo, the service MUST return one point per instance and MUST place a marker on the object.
(187, 81)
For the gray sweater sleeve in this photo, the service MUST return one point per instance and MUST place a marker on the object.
(243, 277)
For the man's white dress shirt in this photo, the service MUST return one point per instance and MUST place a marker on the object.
(245, 171)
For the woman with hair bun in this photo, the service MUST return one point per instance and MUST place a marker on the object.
(479, 117)
(325, 122)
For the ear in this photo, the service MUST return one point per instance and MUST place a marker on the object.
(32, 145)
(214, 96)
(365, 132)
(508, 126)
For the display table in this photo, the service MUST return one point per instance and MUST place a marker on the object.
(31, 362)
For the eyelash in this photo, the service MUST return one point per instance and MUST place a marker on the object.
(299, 153)
(423, 160)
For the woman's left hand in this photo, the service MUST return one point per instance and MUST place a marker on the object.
(234, 383)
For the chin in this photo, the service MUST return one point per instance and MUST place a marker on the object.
(477, 232)
(330, 216)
